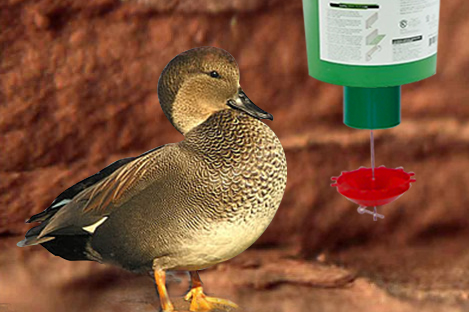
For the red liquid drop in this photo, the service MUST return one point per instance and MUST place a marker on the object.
(359, 187)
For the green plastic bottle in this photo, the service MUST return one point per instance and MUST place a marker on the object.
(371, 49)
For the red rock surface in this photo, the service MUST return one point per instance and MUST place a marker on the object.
(258, 280)
(78, 91)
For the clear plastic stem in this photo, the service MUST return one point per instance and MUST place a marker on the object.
(374, 213)
(372, 147)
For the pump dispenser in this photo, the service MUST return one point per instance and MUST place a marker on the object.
(372, 48)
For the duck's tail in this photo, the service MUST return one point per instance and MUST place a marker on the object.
(33, 240)
(31, 237)
(69, 247)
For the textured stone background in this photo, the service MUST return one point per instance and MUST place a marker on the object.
(78, 91)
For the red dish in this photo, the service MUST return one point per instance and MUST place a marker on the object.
(359, 187)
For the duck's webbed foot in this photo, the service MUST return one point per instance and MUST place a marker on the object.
(199, 301)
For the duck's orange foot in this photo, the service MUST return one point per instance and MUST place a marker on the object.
(202, 303)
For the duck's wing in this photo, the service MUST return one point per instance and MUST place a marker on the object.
(80, 209)
(67, 196)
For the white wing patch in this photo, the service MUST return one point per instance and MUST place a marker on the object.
(62, 203)
(91, 228)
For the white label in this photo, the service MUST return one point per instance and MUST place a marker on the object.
(378, 32)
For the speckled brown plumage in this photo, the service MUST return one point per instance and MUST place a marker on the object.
(229, 174)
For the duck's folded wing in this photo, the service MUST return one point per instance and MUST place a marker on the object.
(85, 206)
(67, 196)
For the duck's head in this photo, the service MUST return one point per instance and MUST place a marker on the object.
(200, 82)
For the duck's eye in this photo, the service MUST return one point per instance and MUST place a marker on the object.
(214, 74)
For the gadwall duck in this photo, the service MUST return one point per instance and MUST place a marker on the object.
(182, 206)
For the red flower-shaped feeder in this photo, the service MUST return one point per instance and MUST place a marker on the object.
(359, 187)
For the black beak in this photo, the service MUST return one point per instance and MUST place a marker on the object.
(242, 102)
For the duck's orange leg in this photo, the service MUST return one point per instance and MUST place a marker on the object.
(200, 302)
(160, 279)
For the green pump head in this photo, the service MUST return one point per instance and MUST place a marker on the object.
(372, 108)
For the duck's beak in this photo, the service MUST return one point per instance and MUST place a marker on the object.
(242, 102)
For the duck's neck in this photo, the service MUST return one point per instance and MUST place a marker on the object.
(229, 134)
(185, 118)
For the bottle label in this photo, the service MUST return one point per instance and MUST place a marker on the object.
(379, 32)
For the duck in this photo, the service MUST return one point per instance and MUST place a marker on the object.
(183, 206)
